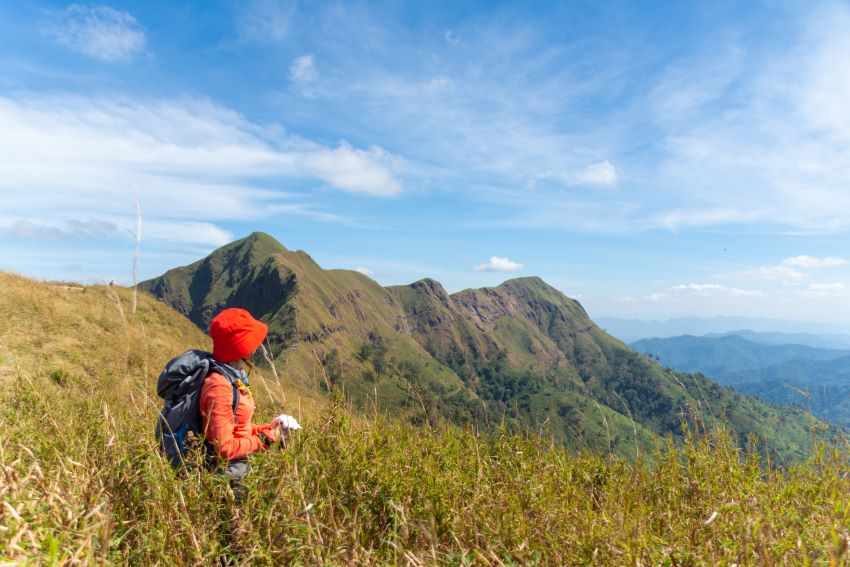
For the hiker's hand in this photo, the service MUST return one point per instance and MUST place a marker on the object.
(285, 423)
(269, 437)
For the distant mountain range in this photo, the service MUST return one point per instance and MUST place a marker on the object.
(521, 355)
(769, 331)
(718, 356)
(787, 374)
(839, 342)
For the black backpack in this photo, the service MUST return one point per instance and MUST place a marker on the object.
(180, 386)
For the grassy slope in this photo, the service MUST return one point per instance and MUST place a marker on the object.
(83, 335)
(82, 481)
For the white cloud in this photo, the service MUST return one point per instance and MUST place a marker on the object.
(812, 262)
(687, 87)
(187, 157)
(157, 230)
(99, 31)
(303, 70)
(783, 273)
(73, 228)
(825, 89)
(369, 172)
(699, 217)
(602, 174)
(714, 290)
(194, 163)
(499, 264)
(187, 232)
(365, 271)
(265, 21)
(829, 287)
(301, 210)
(817, 290)
(495, 112)
(771, 135)
(789, 271)
(720, 138)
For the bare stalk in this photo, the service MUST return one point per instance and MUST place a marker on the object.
(276, 375)
(138, 238)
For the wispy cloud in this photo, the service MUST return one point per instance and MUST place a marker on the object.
(603, 174)
(187, 232)
(826, 290)
(303, 70)
(496, 112)
(678, 219)
(702, 290)
(303, 210)
(73, 228)
(790, 271)
(98, 31)
(365, 271)
(730, 135)
(766, 133)
(70, 157)
(499, 264)
(714, 289)
(812, 262)
(265, 21)
(370, 172)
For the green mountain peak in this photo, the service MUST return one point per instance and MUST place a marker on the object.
(263, 240)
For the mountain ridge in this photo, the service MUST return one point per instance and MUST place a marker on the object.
(631, 330)
(520, 355)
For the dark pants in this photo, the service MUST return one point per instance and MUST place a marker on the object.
(236, 471)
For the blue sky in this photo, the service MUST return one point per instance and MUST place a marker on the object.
(652, 159)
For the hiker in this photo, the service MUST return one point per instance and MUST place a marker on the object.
(230, 436)
(208, 395)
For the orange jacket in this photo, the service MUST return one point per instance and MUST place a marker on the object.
(230, 439)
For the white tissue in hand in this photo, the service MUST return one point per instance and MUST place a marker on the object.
(287, 422)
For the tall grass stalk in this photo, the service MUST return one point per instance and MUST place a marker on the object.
(137, 252)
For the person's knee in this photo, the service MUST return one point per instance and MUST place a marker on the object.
(236, 470)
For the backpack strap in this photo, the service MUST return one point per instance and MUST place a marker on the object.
(227, 372)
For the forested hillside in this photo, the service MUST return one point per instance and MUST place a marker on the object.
(718, 356)
(816, 379)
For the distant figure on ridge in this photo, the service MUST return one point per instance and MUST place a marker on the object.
(210, 395)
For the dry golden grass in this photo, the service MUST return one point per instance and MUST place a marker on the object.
(82, 482)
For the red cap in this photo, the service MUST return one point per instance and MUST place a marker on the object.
(236, 334)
